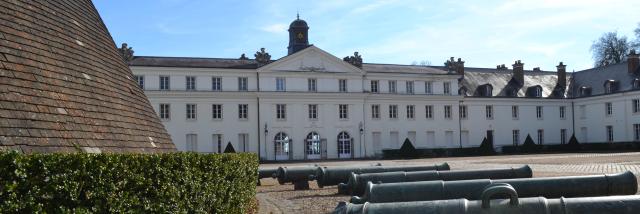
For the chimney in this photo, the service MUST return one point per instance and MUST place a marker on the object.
(633, 60)
(460, 67)
(518, 72)
(562, 74)
(536, 69)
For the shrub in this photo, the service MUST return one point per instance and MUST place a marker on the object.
(127, 183)
(529, 146)
(486, 147)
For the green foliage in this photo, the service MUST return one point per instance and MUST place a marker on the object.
(407, 150)
(529, 145)
(486, 147)
(229, 149)
(127, 183)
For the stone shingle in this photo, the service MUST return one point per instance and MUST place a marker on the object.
(64, 84)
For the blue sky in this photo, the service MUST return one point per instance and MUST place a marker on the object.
(483, 33)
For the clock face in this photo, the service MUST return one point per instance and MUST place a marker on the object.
(300, 35)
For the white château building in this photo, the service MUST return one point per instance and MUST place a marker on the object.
(313, 105)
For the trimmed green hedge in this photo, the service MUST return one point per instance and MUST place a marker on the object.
(127, 183)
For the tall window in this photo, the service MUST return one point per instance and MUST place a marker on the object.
(516, 137)
(164, 83)
(428, 87)
(392, 86)
(139, 80)
(446, 88)
(192, 142)
(539, 112)
(583, 111)
(609, 133)
(411, 109)
(562, 112)
(608, 108)
(190, 83)
(540, 136)
(563, 136)
(514, 112)
(374, 86)
(312, 85)
(165, 111)
(243, 84)
(343, 111)
(636, 132)
(342, 85)
(217, 142)
(191, 111)
(243, 111)
(281, 111)
(393, 111)
(463, 112)
(216, 111)
(313, 145)
(313, 111)
(216, 83)
(489, 112)
(429, 112)
(344, 145)
(281, 84)
(375, 111)
(409, 87)
(447, 112)
(636, 105)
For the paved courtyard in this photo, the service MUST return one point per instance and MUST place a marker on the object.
(275, 198)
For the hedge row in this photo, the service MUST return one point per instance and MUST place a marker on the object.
(127, 183)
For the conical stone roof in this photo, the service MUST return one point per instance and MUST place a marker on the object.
(65, 88)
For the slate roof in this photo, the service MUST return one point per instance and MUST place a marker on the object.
(191, 62)
(499, 80)
(596, 77)
(65, 88)
(393, 68)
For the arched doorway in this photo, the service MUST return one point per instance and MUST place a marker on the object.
(312, 145)
(281, 142)
(344, 145)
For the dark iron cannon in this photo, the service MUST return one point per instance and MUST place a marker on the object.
(330, 176)
(550, 187)
(299, 176)
(266, 173)
(358, 182)
(512, 205)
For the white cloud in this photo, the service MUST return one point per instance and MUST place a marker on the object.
(278, 28)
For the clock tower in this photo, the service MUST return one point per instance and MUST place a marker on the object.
(298, 37)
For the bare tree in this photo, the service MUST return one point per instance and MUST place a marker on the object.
(610, 49)
(636, 44)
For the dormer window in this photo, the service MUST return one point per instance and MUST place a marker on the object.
(636, 84)
(610, 86)
(485, 90)
(585, 91)
(534, 91)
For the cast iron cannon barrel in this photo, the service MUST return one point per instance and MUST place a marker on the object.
(327, 176)
(357, 183)
(513, 205)
(295, 174)
(266, 173)
(550, 187)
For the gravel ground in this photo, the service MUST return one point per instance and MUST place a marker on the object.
(275, 198)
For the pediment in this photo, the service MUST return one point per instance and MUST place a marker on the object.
(311, 59)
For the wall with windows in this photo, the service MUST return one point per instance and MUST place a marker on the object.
(592, 117)
(442, 127)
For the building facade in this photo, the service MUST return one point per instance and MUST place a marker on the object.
(313, 105)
